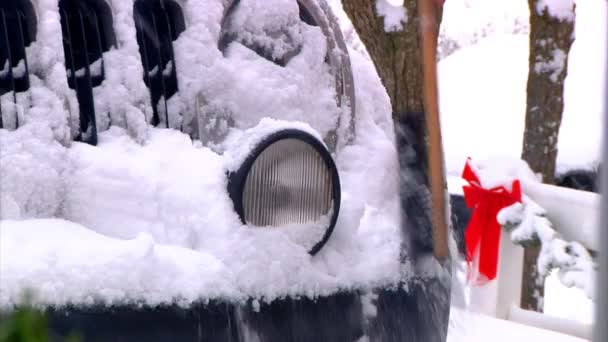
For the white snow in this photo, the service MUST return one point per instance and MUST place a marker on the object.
(467, 22)
(561, 9)
(483, 93)
(160, 184)
(574, 213)
(482, 106)
(168, 69)
(66, 263)
(238, 144)
(239, 83)
(394, 14)
(32, 187)
(470, 326)
(5, 69)
(18, 71)
(174, 192)
(272, 24)
(494, 172)
(145, 216)
(567, 302)
(555, 66)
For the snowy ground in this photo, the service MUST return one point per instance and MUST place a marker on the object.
(470, 326)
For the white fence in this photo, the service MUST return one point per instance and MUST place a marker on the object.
(575, 215)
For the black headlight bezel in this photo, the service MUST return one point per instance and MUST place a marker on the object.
(237, 179)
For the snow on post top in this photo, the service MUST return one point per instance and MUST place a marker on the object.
(494, 172)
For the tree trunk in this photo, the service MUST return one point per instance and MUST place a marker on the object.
(550, 41)
(398, 60)
(396, 54)
(405, 59)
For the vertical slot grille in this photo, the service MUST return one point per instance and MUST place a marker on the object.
(17, 30)
(87, 33)
(158, 24)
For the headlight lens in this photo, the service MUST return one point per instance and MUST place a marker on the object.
(288, 181)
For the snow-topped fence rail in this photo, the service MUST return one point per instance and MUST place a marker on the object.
(571, 218)
(573, 213)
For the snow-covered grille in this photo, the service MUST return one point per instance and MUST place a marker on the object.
(87, 34)
(158, 24)
(280, 36)
(17, 30)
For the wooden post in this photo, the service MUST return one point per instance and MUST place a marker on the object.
(429, 16)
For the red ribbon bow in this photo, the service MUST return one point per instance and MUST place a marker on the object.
(482, 234)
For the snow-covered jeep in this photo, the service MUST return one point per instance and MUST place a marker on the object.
(189, 170)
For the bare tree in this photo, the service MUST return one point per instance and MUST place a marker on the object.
(551, 36)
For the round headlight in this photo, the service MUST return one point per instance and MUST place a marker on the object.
(289, 181)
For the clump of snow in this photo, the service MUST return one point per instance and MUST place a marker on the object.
(238, 144)
(5, 69)
(555, 66)
(307, 234)
(238, 87)
(561, 9)
(48, 98)
(124, 78)
(495, 172)
(65, 263)
(18, 71)
(31, 170)
(368, 305)
(272, 25)
(394, 13)
(168, 187)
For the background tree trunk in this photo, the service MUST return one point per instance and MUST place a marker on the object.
(550, 41)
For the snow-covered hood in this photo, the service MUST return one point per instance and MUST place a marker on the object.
(144, 216)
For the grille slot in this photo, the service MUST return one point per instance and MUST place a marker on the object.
(17, 31)
(87, 33)
(159, 23)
